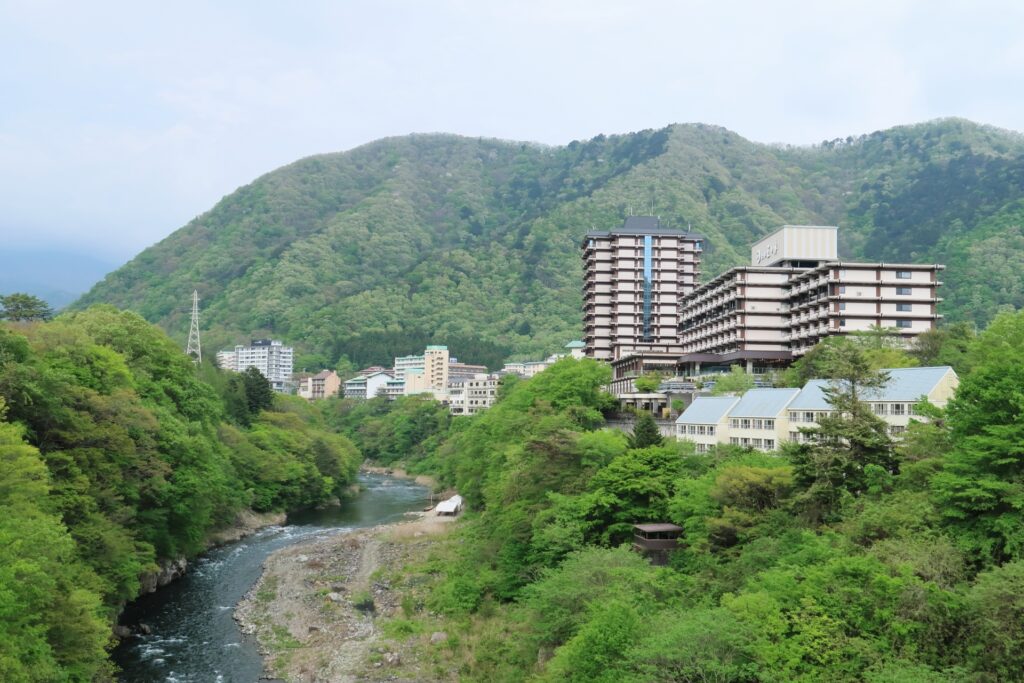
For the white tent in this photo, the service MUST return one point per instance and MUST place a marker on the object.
(452, 506)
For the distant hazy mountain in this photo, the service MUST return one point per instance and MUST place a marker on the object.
(410, 239)
(58, 277)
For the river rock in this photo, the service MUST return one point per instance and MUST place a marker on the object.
(122, 631)
(145, 629)
(169, 571)
(438, 637)
(392, 659)
(334, 597)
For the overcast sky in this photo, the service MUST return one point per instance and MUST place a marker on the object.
(119, 122)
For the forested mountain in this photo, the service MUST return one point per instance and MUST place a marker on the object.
(375, 251)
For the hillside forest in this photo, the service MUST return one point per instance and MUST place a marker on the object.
(360, 256)
(118, 454)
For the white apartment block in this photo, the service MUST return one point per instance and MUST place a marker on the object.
(226, 360)
(633, 279)
(896, 402)
(270, 357)
(403, 363)
(367, 386)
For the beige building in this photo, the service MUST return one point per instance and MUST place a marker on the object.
(760, 420)
(416, 382)
(796, 293)
(471, 396)
(435, 368)
(706, 421)
(634, 277)
(842, 297)
(324, 384)
(896, 402)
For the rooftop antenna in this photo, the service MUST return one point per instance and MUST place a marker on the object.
(193, 348)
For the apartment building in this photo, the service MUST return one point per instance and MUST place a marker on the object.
(435, 367)
(706, 421)
(323, 384)
(634, 277)
(460, 372)
(471, 396)
(367, 386)
(403, 363)
(896, 402)
(842, 297)
(795, 293)
(227, 360)
(272, 358)
(760, 420)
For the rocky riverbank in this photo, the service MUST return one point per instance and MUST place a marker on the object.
(316, 609)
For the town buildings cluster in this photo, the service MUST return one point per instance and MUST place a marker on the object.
(646, 311)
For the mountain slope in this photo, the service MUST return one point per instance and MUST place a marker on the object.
(375, 251)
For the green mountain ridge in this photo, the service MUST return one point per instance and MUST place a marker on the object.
(375, 251)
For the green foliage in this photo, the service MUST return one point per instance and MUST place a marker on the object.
(647, 384)
(980, 486)
(737, 381)
(371, 253)
(645, 432)
(127, 459)
(20, 307)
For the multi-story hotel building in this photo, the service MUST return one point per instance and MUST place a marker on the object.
(633, 278)
(797, 292)
(272, 358)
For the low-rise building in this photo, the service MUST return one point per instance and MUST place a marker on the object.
(227, 360)
(323, 384)
(763, 418)
(367, 386)
(896, 402)
(760, 419)
(706, 421)
(460, 372)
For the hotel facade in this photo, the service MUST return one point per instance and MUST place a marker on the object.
(634, 277)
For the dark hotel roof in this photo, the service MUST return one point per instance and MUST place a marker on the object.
(644, 225)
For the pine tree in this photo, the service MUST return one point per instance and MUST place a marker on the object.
(645, 432)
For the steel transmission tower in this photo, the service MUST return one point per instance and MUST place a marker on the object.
(194, 349)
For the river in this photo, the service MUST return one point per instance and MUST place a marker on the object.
(194, 636)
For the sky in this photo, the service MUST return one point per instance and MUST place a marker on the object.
(120, 122)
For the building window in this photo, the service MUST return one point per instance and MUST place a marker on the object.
(842, 305)
(745, 442)
(899, 409)
(903, 274)
(897, 430)
(904, 291)
(881, 409)
(904, 308)
(758, 424)
(711, 430)
(808, 417)
(769, 444)
(700, 430)
(822, 415)
(842, 322)
(794, 436)
(757, 443)
(769, 424)
(734, 441)
(903, 324)
(745, 424)
(842, 289)
(913, 409)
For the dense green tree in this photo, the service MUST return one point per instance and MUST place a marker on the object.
(645, 432)
(20, 307)
(259, 395)
(981, 484)
(647, 384)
